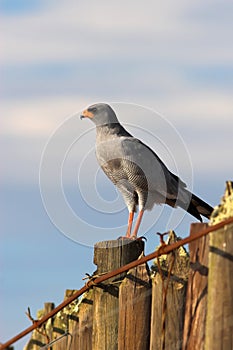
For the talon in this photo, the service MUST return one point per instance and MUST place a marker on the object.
(139, 238)
(125, 237)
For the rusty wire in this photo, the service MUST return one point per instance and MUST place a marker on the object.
(43, 332)
(162, 250)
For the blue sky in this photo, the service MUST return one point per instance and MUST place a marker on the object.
(15, 7)
(57, 57)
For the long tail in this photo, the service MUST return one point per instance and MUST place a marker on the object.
(198, 207)
(178, 195)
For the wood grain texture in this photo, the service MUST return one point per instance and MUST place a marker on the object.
(37, 339)
(175, 299)
(109, 255)
(135, 309)
(62, 324)
(85, 317)
(219, 325)
(196, 299)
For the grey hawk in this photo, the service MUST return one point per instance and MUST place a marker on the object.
(138, 173)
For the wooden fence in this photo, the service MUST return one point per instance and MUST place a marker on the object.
(184, 302)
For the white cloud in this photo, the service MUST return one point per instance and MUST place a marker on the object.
(38, 117)
(123, 29)
(188, 109)
(202, 121)
(160, 38)
(209, 108)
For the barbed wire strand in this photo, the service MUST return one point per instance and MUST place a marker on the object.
(162, 250)
(43, 332)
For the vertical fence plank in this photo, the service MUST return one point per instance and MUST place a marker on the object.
(175, 299)
(135, 309)
(196, 300)
(59, 327)
(71, 324)
(37, 339)
(85, 315)
(73, 337)
(109, 255)
(219, 325)
(62, 324)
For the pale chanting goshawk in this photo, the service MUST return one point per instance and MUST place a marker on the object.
(138, 173)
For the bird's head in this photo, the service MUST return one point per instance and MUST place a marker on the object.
(100, 114)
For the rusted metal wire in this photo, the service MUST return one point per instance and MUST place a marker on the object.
(162, 250)
(43, 332)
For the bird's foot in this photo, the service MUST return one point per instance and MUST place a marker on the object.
(139, 238)
(125, 237)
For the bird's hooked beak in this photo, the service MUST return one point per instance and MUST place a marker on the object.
(86, 114)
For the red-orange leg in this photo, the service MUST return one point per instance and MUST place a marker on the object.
(130, 223)
(138, 222)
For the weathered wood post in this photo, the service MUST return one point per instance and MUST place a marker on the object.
(85, 317)
(110, 255)
(196, 298)
(44, 335)
(169, 337)
(65, 323)
(219, 325)
(135, 310)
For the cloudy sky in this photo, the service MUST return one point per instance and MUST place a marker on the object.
(174, 60)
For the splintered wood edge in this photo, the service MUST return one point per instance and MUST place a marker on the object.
(224, 210)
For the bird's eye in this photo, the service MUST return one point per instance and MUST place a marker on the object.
(93, 109)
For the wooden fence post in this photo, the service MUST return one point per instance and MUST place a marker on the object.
(135, 310)
(196, 298)
(41, 338)
(219, 325)
(109, 255)
(85, 316)
(171, 336)
(65, 321)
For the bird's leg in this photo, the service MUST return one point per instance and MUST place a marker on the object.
(130, 223)
(138, 222)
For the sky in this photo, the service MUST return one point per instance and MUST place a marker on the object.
(167, 70)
